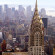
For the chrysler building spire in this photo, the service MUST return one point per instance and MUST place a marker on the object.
(36, 14)
(36, 9)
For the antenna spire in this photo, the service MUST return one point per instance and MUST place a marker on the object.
(36, 14)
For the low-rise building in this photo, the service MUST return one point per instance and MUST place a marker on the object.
(15, 53)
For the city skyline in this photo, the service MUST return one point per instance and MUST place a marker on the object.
(27, 28)
(41, 3)
(49, 7)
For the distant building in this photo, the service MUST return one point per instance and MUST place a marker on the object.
(29, 13)
(43, 12)
(13, 9)
(1, 12)
(5, 8)
(21, 8)
(46, 38)
(22, 37)
(45, 21)
(3, 46)
(15, 53)
(54, 50)
(1, 35)
(1, 9)
(21, 12)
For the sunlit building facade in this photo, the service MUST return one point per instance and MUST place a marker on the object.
(36, 39)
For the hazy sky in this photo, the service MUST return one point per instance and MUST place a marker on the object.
(41, 3)
(47, 4)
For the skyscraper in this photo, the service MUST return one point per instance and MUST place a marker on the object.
(0, 9)
(13, 9)
(21, 12)
(21, 8)
(45, 21)
(5, 8)
(36, 39)
(29, 13)
(54, 50)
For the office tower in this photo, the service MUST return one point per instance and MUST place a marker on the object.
(5, 8)
(54, 50)
(1, 12)
(29, 13)
(13, 13)
(0, 9)
(36, 39)
(45, 21)
(1, 35)
(21, 8)
(13, 9)
(5, 11)
(43, 12)
(28, 10)
(21, 12)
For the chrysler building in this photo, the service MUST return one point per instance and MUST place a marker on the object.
(36, 38)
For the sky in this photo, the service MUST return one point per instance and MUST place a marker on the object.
(47, 4)
(41, 3)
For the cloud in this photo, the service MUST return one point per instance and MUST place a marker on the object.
(50, 13)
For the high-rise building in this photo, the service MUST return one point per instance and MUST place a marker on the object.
(43, 12)
(5, 8)
(54, 50)
(21, 12)
(45, 21)
(0, 9)
(29, 13)
(13, 9)
(36, 39)
(21, 8)
(29, 9)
